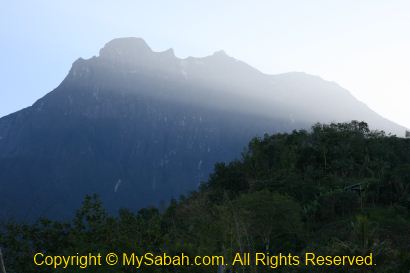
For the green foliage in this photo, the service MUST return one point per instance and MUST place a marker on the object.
(339, 189)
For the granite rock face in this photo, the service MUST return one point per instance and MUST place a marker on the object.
(139, 127)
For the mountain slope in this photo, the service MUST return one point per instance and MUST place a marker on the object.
(138, 127)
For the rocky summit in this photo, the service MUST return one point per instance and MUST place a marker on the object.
(139, 127)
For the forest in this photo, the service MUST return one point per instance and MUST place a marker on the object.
(336, 189)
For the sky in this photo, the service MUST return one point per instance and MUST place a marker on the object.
(363, 45)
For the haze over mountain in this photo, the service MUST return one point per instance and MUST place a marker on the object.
(139, 127)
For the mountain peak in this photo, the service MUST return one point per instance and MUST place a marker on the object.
(220, 54)
(169, 52)
(153, 121)
(125, 47)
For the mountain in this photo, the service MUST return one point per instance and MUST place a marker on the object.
(138, 127)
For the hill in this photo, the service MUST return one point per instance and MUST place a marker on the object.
(340, 189)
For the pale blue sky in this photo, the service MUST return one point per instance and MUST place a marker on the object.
(364, 45)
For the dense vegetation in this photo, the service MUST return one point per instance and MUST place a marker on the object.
(337, 189)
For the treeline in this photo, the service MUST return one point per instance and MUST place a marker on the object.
(338, 189)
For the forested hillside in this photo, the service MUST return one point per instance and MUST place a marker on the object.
(338, 189)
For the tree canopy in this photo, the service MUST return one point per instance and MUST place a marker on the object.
(338, 189)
